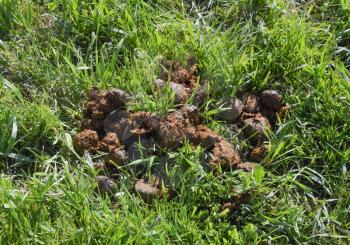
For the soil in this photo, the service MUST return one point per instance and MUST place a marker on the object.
(129, 136)
(254, 113)
(171, 132)
(99, 166)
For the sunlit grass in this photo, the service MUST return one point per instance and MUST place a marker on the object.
(52, 52)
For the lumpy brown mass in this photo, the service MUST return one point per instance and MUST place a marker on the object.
(87, 140)
(132, 137)
(184, 82)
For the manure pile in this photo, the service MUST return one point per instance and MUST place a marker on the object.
(125, 137)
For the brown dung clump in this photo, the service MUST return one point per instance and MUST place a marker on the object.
(183, 81)
(134, 136)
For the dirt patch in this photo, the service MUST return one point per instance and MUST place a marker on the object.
(128, 137)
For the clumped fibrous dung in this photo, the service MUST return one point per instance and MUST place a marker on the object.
(127, 136)
(184, 82)
(271, 78)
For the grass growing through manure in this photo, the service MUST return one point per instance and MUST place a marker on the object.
(51, 52)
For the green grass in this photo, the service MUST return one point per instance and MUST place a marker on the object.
(51, 52)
